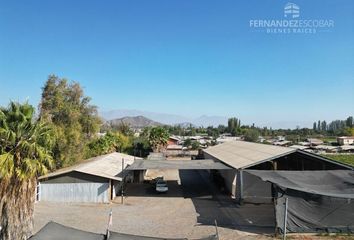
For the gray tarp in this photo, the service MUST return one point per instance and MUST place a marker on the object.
(318, 201)
(122, 236)
(176, 164)
(334, 183)
(56, 231)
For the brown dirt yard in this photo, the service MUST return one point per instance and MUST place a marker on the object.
(189, 209)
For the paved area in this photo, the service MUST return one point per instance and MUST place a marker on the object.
(189, 209)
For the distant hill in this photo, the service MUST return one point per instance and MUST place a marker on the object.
(185, 125)
(134, 122)
(164, 118)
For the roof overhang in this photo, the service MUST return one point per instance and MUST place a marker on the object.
(51, 175)
(177, 164)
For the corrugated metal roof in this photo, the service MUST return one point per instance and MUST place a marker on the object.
(107, 166)
(176, 164)
(241, 154)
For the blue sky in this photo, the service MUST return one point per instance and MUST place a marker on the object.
(183, 57)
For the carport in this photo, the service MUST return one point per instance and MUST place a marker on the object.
(203, 164)
(139, 167)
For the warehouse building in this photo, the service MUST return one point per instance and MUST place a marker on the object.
(94, 180)
(241, 155)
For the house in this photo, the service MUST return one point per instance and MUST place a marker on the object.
(325, 148)
(282, 143)
(346, 149)
(314, 141)
(173, 140)
(226, 138)
(345, 140)
(300, 147)
(97, 180)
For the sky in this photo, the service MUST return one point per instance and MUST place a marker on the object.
(190, 58)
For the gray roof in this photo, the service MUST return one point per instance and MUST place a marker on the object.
(106, 166)
(176, 164)
(56, 231)
(241, 154)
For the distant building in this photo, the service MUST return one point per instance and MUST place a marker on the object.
(280, 138)
(314, 141)
(173, 140)
(345, 140)
(282, 143)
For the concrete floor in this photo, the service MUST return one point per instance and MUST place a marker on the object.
(189, 209)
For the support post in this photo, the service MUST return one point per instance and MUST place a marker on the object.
(241, 186)
(216, 230)
(122, 192)
(285, 218)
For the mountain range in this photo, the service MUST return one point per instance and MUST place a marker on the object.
(204, 120)
(165, 118)
(134, 122)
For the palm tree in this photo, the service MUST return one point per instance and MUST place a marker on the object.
(157, 137)
(24, 155)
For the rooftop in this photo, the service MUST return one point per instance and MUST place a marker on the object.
(107, 166)
(241, 154)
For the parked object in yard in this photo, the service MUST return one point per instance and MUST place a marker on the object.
(161, 186)
(155, 180)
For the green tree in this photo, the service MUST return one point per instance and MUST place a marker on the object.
(75, 121)
(349, 122)
(195, 145)
(187, 143)
(111, 142)
(157, 137)
(141, 147)
(233, 126)
(251, 135)
(24, 155)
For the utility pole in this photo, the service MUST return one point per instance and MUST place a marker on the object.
(122, 191)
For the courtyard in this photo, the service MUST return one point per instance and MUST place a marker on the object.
(189, 209)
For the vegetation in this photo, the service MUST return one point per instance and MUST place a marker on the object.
(190, 144)
(110, 142)
(234, 126)
(344, 158)
(337, 127)
(251, 135)
(25, 145)
(157, 137)
(75, 122)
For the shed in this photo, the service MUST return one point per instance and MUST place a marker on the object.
(97, 179)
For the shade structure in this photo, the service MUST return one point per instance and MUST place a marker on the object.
(56, 231)
(318, 201)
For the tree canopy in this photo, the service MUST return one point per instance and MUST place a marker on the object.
(157, 137)
(74, 120)
(25, 145)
